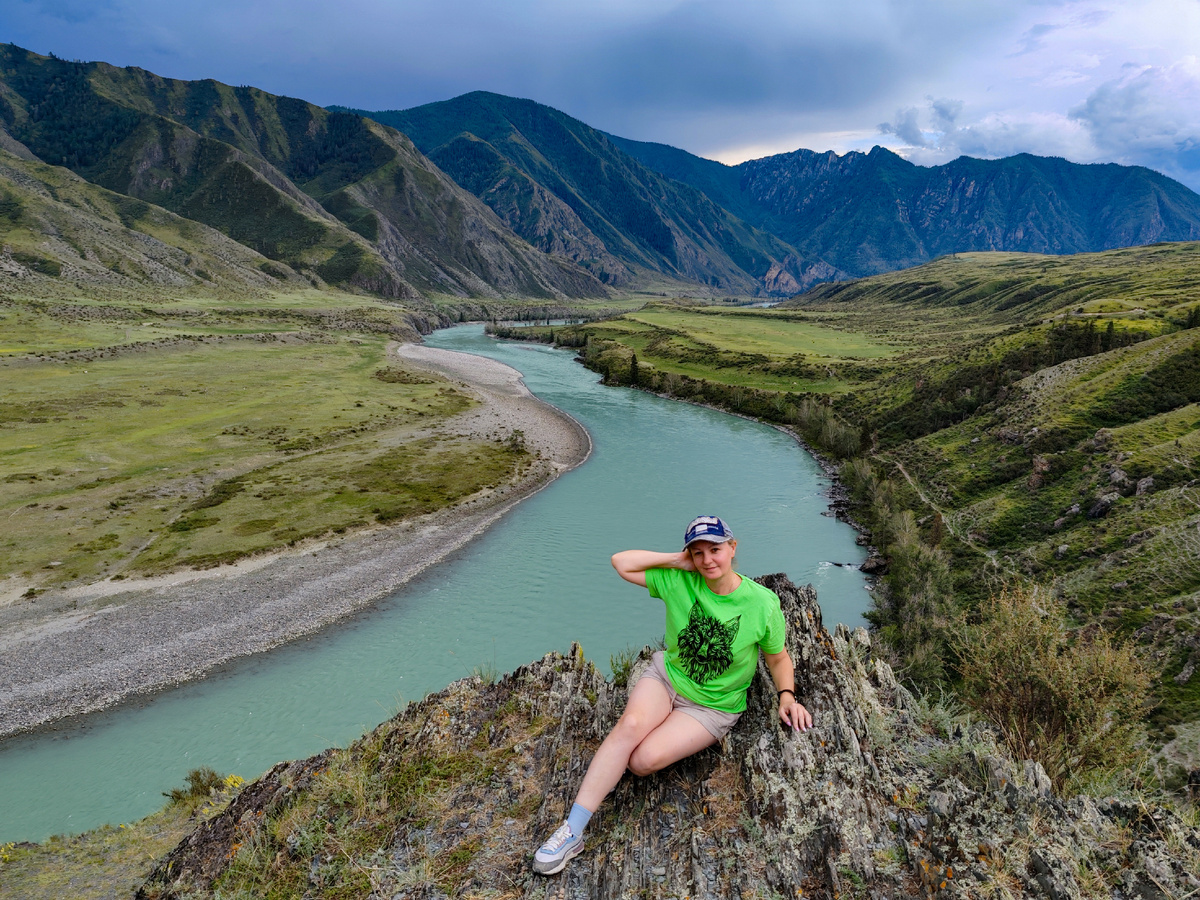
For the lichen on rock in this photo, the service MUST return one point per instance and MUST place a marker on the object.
(884, 797)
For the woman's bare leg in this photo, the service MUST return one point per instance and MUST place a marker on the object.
(676, 738)
(648, 708)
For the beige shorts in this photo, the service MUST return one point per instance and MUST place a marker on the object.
(716, 722)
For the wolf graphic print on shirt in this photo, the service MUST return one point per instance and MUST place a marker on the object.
(706, 645)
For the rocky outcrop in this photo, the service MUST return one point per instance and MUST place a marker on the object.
(877, 800)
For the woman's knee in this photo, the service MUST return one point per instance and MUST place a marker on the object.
(644, 761)
(634, 724)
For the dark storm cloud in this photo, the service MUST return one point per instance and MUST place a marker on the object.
(946, 111)
(700, 57)
(719, 78)
(623, 61)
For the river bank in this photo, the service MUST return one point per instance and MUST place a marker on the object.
(84, 649)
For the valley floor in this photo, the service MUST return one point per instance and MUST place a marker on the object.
(85, 648)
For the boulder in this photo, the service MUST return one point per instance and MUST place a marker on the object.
(874, 565)
(1101, 507)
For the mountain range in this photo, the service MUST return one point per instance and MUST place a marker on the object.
(867, 213)
(337, 198)
(570, 190)
(491, 196)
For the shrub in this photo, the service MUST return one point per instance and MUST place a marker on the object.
(1073, 701)
(38, 263)
(621, 664)
(859, 478)
(198, 785)
(921, 610)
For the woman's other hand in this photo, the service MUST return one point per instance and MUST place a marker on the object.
(793, 714)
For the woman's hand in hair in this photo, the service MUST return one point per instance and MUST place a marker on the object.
(632, 564)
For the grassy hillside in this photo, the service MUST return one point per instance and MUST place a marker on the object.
(54, 223)
(1001, 419)
(569, 190)
(1139, 283)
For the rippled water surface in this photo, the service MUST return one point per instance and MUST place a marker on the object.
(536, 581)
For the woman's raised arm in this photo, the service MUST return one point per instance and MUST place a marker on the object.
(632, 564)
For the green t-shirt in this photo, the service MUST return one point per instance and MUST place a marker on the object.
(713, 640)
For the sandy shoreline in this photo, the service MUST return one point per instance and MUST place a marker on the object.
(88, 648)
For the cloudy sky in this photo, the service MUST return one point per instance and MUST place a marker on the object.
(729, 79)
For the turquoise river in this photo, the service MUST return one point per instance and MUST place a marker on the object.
(536, 581)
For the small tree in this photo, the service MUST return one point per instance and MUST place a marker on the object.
(635, 377)
(1073, 701)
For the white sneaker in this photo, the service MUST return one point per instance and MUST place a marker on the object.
(553, 855)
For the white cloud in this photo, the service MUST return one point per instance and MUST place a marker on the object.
(1150, 116)
(1001, 134)
(906, 127)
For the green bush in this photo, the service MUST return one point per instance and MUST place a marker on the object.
(38, 263)
(1073, 701)
(199, 784)
(621, 664)
(11, 208)
(918, 606)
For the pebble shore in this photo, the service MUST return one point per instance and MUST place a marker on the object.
(84, 649)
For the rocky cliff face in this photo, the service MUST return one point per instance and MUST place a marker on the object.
(450, 797)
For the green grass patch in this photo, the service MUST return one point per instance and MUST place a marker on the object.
(112, 860)
(775, 334)
(141, 460)
(25, 330)
(328, 492)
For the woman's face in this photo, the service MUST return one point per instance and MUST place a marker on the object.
(713, 561)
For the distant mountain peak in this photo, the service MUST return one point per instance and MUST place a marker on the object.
(613, 215)
(866, 213)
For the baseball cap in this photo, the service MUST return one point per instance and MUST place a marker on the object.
(706, 528)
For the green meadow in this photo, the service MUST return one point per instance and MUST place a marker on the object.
(775, 334)
(137, 438)
(741, 347)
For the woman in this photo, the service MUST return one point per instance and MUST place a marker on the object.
(692, 693)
